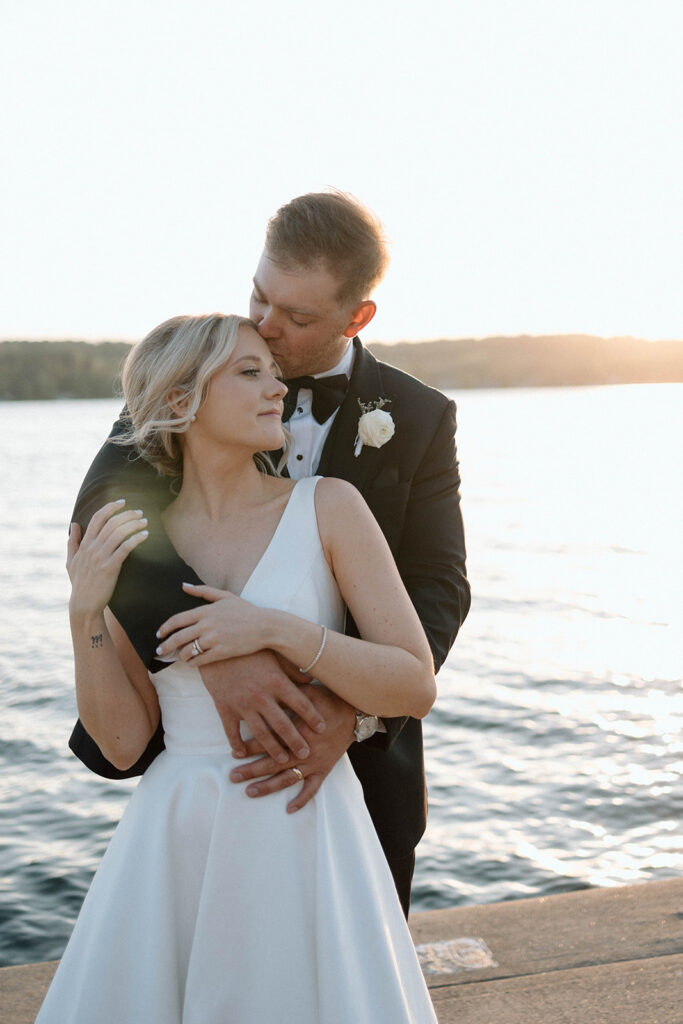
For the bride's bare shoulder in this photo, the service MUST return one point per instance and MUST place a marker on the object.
(339, 502)
(348, 530)
(330, 489)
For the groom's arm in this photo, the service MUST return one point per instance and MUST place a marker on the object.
(431, 554)
(431, 560)
(117, 473)
(149, 591)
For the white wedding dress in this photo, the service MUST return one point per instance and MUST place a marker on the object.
(210, 907)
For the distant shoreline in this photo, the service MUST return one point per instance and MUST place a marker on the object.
(31, 370)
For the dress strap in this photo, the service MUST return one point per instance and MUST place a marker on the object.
(299, 536)
(295, 544)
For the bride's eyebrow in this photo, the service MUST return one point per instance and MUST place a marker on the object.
(258, 361)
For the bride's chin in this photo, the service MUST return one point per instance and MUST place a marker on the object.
(276, 439)
(267, 441)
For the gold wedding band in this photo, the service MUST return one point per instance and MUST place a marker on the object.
(299, 774)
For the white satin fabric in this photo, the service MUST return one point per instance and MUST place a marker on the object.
(213, 908)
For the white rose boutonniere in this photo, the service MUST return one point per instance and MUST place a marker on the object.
(375, 427)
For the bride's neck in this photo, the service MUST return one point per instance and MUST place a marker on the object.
(217, 484)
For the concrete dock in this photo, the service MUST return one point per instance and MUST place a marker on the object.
(598, 956)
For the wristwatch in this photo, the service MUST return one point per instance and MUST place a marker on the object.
(366, 726)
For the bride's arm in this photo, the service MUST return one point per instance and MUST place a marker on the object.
(116, 700)
(388, 673)
(390, 670)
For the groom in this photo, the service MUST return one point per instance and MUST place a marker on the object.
(324, 254)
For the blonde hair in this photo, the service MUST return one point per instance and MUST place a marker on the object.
(181, 354)
(333, 229)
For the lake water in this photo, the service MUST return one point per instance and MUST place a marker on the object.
(554, 752)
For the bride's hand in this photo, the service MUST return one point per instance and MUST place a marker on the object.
(227, 627)
(94, 563)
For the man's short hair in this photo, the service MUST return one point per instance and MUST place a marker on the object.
(335, 230)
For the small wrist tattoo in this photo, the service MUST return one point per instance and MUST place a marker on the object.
(96, 640)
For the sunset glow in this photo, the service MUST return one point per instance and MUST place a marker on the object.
(523, 158)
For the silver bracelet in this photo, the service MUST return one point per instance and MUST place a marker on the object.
(317, 657)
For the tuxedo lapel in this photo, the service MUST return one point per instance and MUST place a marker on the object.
(338, 457)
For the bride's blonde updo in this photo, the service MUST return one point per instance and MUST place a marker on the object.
(182, 353)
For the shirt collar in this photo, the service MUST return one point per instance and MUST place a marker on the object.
(345, 364)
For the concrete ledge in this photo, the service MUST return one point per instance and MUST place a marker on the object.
(599, 956)
(640, 992)
(22, 990)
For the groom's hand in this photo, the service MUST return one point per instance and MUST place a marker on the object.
(256, 689)
(326, 750)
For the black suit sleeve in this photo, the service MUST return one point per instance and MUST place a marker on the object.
(431, 553)
(116, 472)
(87, 751)
(431, 557)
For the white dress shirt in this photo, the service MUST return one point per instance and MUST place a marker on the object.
(309, 436)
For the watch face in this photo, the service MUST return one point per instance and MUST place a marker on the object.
(366, 728)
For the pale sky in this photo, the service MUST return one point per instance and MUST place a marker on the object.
(526, 158)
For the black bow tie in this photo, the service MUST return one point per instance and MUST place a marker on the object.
(328, 394)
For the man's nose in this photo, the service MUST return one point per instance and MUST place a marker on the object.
(268, 326)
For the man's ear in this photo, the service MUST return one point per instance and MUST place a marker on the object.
(176, 400)
(360, 318)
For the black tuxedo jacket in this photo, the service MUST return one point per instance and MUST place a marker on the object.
(411, 485)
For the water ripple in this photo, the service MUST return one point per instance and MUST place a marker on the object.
(554, 753)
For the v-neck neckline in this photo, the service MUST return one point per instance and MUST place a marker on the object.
(265, 551)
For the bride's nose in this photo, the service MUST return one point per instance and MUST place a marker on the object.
(278, 388)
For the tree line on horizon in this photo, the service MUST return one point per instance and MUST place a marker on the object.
(31, 370)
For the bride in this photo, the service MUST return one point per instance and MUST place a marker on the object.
(209, 907)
